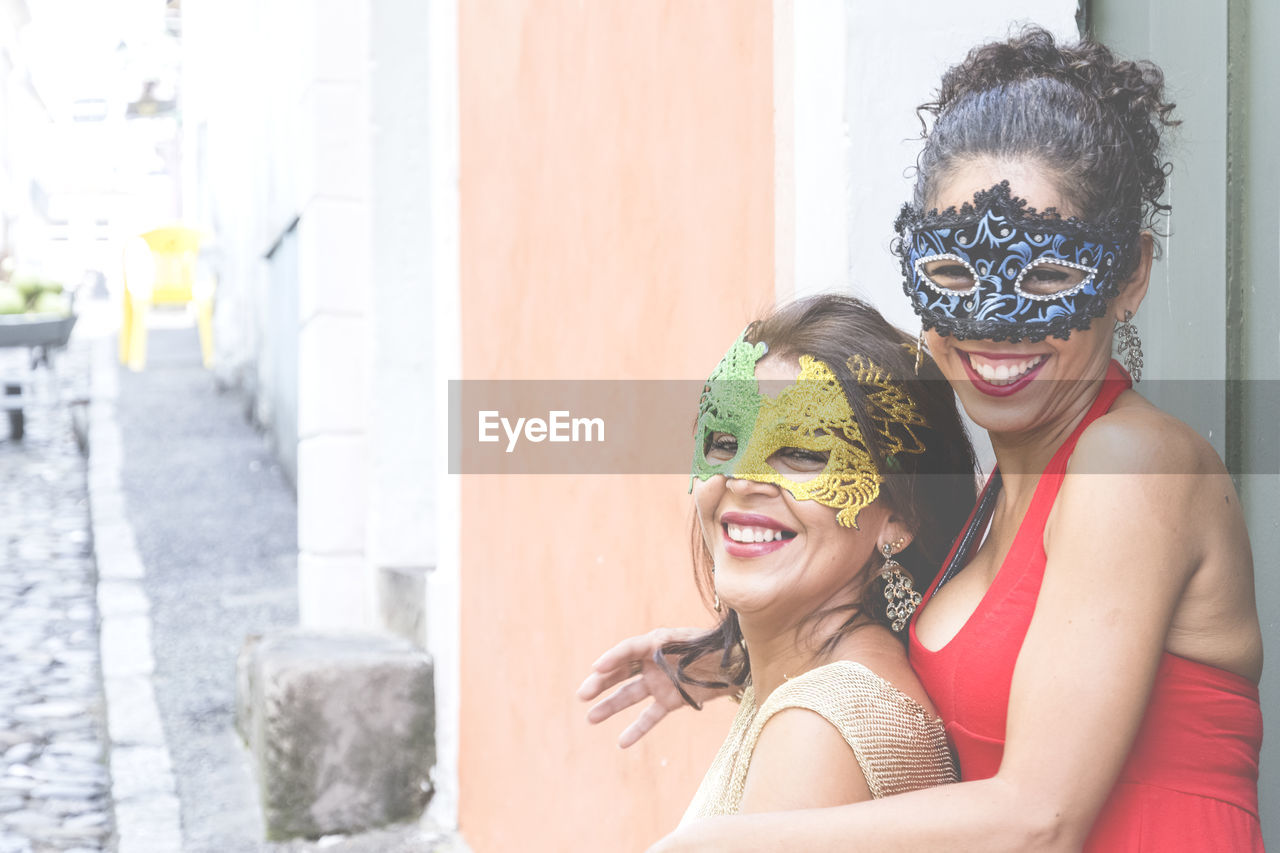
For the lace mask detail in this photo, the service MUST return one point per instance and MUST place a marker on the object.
(890, 410)
(998, 270)
(808, 419)
(729, 403)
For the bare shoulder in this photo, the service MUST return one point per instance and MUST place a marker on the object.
(1158, 478)
(1136, 437)
(1152, 495)
(1135, 481)
(802, 761)
(1173, 519)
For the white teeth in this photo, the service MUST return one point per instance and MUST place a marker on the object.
(1004, 372)
(740, 533)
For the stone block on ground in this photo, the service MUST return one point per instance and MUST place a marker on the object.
(341, 727)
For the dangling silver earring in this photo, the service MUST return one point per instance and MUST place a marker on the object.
(899, 592)
(919, 350)
(1129, 346)
(716, 604)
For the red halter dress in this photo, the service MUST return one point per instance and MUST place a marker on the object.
(1190, 782)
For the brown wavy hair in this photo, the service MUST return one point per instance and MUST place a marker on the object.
(933, 491)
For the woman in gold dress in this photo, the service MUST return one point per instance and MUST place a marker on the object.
(826, 490)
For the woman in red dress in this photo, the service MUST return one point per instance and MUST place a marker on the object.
(1092, 642)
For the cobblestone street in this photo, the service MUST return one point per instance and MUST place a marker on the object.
(54, 785)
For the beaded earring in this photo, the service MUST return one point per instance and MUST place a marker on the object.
(899, 591)
(1129, 346)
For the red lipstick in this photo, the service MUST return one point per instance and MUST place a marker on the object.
(992, 390)
(752, 549)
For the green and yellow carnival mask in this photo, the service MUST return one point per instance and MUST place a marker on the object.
(811, 418)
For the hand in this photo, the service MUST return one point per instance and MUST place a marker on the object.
(633, 659)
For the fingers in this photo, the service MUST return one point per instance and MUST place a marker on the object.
(632, 648)
(623, 660)
(598, 682)
(595, 683)
(625, 697)
(643, 724)
(642, 647)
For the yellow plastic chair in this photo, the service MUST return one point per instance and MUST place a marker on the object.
(160, 269)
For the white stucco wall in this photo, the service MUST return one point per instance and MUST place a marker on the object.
(402, 418)
(334, 194)
(220, 173)
(413, 333)
(443, 593)
(241, 126)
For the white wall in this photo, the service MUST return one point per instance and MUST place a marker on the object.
(278, 137)
(402, 416)
(443, 594)
(232, 115)
(334, 192)
(414, 338)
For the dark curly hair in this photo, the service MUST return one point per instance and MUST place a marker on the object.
(933, 491)
(1095, 121)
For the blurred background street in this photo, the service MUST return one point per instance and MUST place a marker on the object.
(214, 521)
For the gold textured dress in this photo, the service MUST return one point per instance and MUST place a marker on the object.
(898, 744)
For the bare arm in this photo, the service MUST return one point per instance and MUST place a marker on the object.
(1121, 550)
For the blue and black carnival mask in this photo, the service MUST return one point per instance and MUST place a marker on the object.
(998, 270)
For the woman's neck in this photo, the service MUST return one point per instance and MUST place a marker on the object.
(779, 653)
(1022, 456)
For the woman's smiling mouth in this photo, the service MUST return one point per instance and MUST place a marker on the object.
(747, 534)
(1001, 375)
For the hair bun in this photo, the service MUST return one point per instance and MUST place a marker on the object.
(1124, 96)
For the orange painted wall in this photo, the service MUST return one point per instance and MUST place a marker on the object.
(616, 222)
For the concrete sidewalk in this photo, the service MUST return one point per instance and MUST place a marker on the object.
(203, 554)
